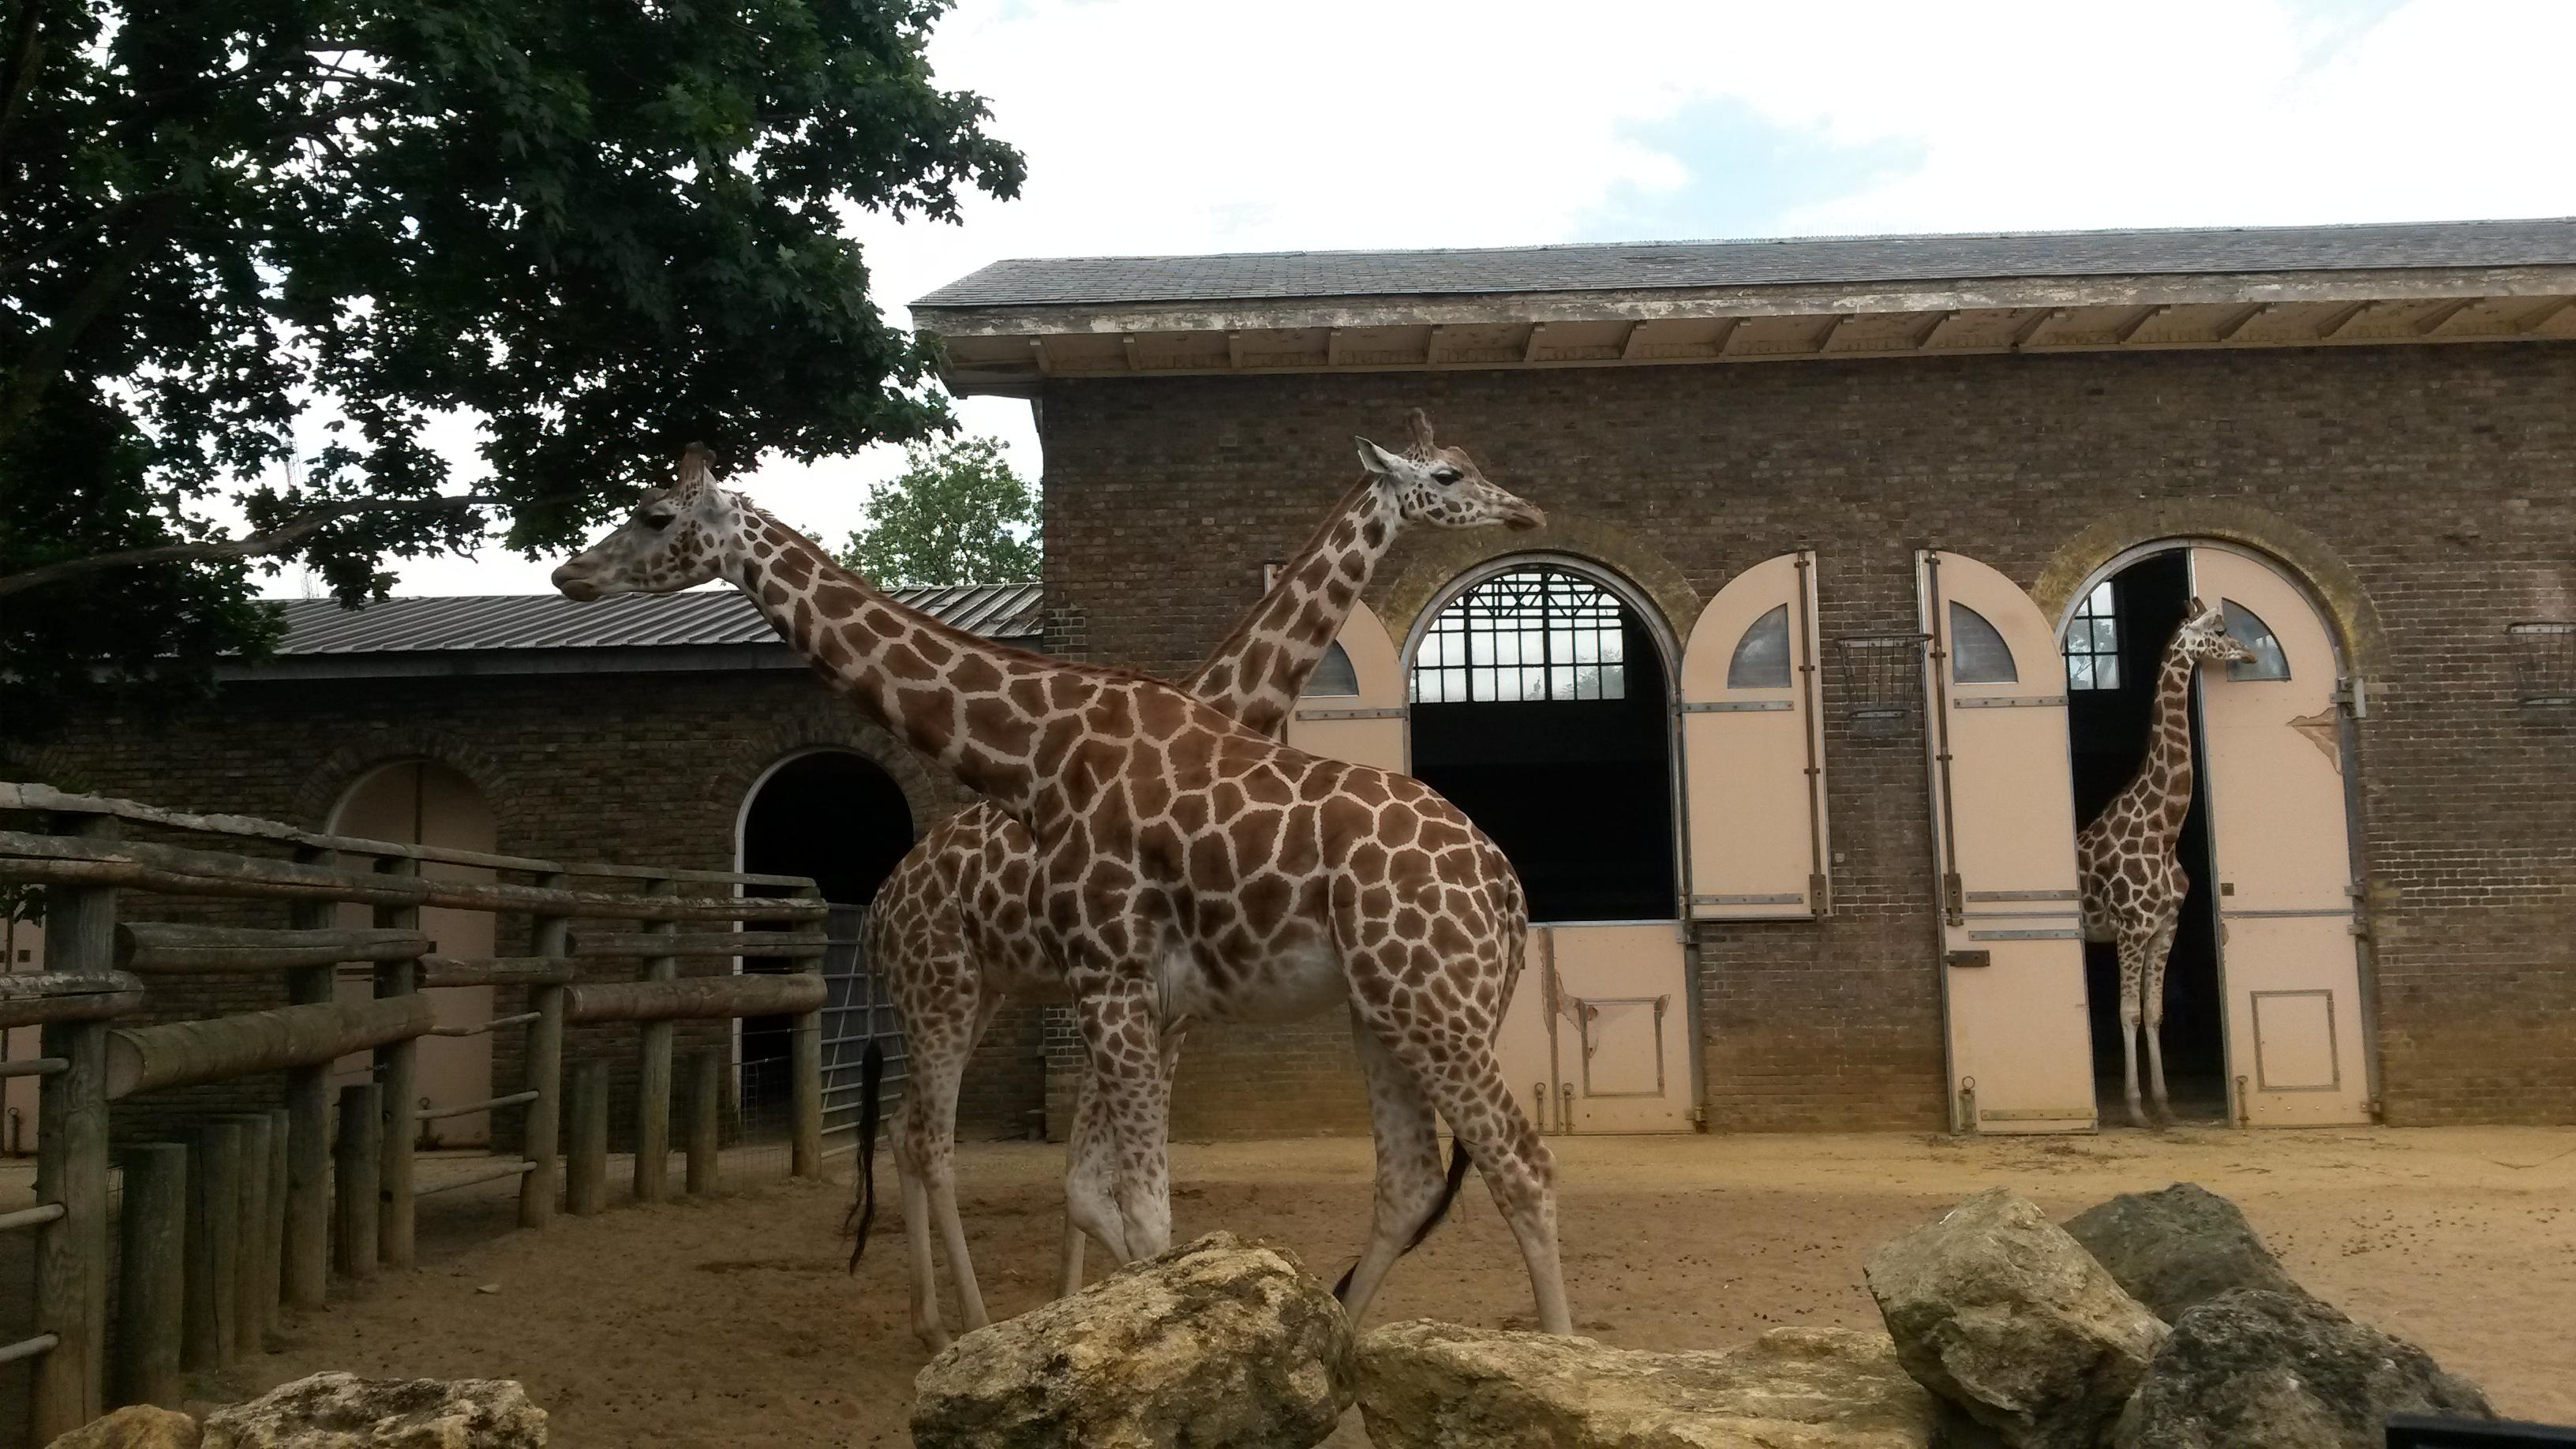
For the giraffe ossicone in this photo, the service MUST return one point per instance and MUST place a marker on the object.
(2133, 883)
(1187, 867)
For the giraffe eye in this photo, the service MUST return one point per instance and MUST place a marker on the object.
(1445, 475)
(658, 521)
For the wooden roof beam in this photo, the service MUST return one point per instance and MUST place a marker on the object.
(1634, 343)
(2131, 328)
(1825, 339)
(2340, 320)
(2535, 320)
(2243, 319)
(2431, 322)
(1940, 320)
(1529, 347)
(2030, 325)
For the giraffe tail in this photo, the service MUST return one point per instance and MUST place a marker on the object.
(863, 1210)
(1458, 1162)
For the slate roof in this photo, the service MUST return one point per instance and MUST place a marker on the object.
(1260, 276)
(647, 621)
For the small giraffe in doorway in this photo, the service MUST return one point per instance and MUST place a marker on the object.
(1188, 869)
(2133, 884)
(955, 929)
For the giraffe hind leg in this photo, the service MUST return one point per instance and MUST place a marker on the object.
(1410, 1194)
(2132, 964)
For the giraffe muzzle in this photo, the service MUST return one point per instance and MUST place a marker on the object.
(575, 583)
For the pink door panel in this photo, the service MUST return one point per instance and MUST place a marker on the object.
(2003, 825)
(1753, 748)
(1366, 728)
(2281, 842)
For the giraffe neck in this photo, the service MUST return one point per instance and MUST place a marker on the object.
(2166, 776)
(975, 707)
(1256, 673)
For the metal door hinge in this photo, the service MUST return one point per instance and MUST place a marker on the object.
(2352, 692)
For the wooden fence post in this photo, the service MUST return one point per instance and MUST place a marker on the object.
(69, 1387)
(398, 1073)
(805, 1081)
(706, 1118)
(586, 1157)
(353, 1181)
(151, 1274)
(214, 1209)
(272, 1227)
(653, 1076)
(542, 1073)
(250, 1324)
(306, 1266)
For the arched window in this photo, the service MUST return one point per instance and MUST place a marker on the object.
(2093, 642)
(1335, 676)
(2248, 629)
(1761, 659)
(1978, 654)
(1534, 635)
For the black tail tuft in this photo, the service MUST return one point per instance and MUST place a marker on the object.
(864, 1210)
(1458, 1163)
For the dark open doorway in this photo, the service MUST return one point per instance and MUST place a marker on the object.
(1540, 707)
(835, 816)
(2111, 707)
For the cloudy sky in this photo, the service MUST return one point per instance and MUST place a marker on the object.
(1163, 126)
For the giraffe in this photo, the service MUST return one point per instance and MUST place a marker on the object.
(1187, 868)
(953, 930)
(2133, 886)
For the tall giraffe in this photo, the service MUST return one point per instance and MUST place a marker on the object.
(1188, 868)
(2133, 884)
(953, 931)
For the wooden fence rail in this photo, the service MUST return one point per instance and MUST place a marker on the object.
(256, 1213)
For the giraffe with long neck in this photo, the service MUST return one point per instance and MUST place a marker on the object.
(1187, 868)
(953, 930)
(2133, 881)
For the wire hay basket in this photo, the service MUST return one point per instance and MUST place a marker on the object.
(1882, 682)
(2544, 662)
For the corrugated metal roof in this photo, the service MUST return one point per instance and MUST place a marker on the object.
(1246, 276)
(625, 621)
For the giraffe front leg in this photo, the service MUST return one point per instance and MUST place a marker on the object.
(1124, 1042)
(1090, 1186)
(2132, 971)
(2151, 997)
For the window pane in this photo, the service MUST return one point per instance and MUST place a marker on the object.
(1762, 656)
(2106, 672)
(1334, 674)
(2248, 629)
(1978, 654)
(2079, 671)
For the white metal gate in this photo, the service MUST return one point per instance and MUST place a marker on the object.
(856, 1011)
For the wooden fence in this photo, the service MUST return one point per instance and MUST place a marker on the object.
(258, 1211)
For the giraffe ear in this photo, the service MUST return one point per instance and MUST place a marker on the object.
(1374, 458)
(1418, 423)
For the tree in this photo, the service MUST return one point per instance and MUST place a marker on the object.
(600, 231)
(958, 515)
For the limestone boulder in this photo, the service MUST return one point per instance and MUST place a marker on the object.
(344, 1411)
(2287, 1372)
(2176, 1249)
(1429, 1385)
(1996, 1309)
(1221, 1341)
(138, 1426)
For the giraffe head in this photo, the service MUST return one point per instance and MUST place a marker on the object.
(1443, 487)
(2204, 639)
(679, 537)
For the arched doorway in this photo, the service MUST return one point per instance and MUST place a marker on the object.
(1539, 701)
(423, 802)
(839, 817)
(2265, 1021)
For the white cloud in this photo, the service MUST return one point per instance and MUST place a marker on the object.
(1176, 126)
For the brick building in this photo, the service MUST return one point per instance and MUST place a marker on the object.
(1789, 716)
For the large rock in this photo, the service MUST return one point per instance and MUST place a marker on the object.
(2284, 1371)
(1995, 1308)
(2178, 1248)
(1217, 1342)
(344, 1411)
(139, 1426)
(1440, 1386)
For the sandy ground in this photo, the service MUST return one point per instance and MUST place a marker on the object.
(730, 1321)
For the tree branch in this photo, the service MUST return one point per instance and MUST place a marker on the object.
(276, 540)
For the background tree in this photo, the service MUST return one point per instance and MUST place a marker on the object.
(602, 231)
(958, 515)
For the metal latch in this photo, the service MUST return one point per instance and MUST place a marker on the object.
(1969, 958)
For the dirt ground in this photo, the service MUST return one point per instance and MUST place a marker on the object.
(731, 1321)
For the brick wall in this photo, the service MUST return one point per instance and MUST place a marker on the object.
(2444, 478)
